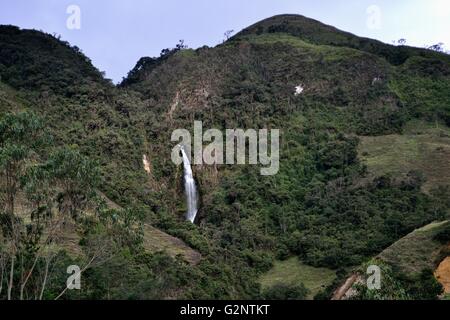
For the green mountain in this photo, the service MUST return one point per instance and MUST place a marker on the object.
(364, 153)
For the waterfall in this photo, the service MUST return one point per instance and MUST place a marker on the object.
(189, 187)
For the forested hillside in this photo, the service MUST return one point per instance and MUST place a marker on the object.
(75, 190)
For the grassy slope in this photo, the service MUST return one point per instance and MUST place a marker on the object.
(422, 147)
(276, 66)
(443, 274)
(417, 250)
(155, 240)
(292, 272)
(318, 33)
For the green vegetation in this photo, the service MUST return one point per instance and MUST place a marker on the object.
(351, 180)
(317, 33)
(285, 292)
(418, 250)
(390, 287)
(155, 240)
(60, 195)
(292, 272)
(422, 147)
(407, 266)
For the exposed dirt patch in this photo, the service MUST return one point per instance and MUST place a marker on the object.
(341, 292)
(442, 274)
(156, 240)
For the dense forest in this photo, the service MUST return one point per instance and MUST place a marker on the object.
(74, 190)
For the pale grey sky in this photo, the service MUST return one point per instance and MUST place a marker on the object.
(116, 33)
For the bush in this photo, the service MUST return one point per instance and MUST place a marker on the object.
(285, 292)
(426, 287)
(443, 236)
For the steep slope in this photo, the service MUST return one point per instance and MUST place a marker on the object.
(418, 250)
(284, 51)
(319, 206)
(322, 206)
(28, 61)
(9, 99)
(316, 32)
(42, 73)
(404, 265)
(424, 147)
(80, 107)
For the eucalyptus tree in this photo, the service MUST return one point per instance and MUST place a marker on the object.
(76, 178)
(20, 135)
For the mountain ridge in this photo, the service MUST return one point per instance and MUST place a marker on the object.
(320, 33)
(326, 207)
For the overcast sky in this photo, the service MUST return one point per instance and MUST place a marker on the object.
(116, 33)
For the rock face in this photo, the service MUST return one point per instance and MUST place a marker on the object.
(443, 274)
(146, 164)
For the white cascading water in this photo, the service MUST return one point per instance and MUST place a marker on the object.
(190, 188)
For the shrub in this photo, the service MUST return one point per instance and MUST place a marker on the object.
(285, 292)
